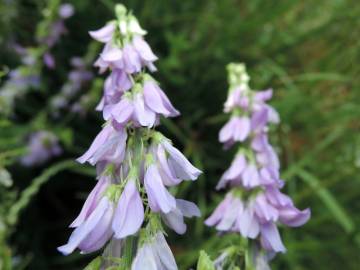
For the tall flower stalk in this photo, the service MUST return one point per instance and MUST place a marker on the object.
(135, 163)
(254, 204)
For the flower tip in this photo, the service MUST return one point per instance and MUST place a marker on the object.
(65, 249)
(81, 159)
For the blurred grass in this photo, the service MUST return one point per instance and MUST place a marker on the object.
(308, 51)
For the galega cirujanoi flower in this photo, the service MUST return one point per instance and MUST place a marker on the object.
(135, 163)
(255, 205)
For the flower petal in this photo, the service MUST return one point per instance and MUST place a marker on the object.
(129, 214)
(104, 34)
(159, 198)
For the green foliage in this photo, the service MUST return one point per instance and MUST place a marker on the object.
(204, 262)
(307, 51)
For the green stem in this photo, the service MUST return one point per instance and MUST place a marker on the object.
(249, 256)
(128, 252)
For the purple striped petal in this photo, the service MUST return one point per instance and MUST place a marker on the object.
(91, 201)
(270, 238)
(81, 232)
(129, 214)
(143, 49)
(180, 165)
(159, 198)
(248, 224)
(144, 115)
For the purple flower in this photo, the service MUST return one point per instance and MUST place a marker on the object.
(237, 98)
(143, 107)
(92, 200)
(43, 145)
(108, 145)
(154, 255)
(178, 163)
(157, 101)
(175, 218)
(129, 214)
(160, 200)
(94, 232)
(258, 217)
(104, 34)
(131, 58)
(134, 162)
(234, 172)
(236, 130)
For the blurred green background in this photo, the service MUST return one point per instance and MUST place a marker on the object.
(307, 51)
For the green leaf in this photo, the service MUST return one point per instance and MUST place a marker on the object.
(94, 264)
(328, 199)
(204, 262)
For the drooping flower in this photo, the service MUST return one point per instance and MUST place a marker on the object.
(129, 213)
(155, 255)
(109, 145)
(94, 232)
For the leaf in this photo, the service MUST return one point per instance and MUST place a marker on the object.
(94, 264)
(204, 262)
(328, 199)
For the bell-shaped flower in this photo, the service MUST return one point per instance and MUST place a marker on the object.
(288, 214)
(160, 200)
(219, 211)
(129, 213)
(131, 58)
(236, 130)
(233, 174)
(178, 163)
(175, 218)
(270, 238)
(92, 200)
(168, 177)
(247, 223)
(94, 232)
(155, 254)
(104, 34)
(143, 107)
(108, 145)
(157, 101)
(238, 97)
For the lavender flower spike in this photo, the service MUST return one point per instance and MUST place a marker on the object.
(254, 205)
(135, 163)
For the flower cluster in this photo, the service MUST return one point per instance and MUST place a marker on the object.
(43, 145)
(255, 203)
(135, 163)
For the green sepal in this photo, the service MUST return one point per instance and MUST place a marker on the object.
(204, 262)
